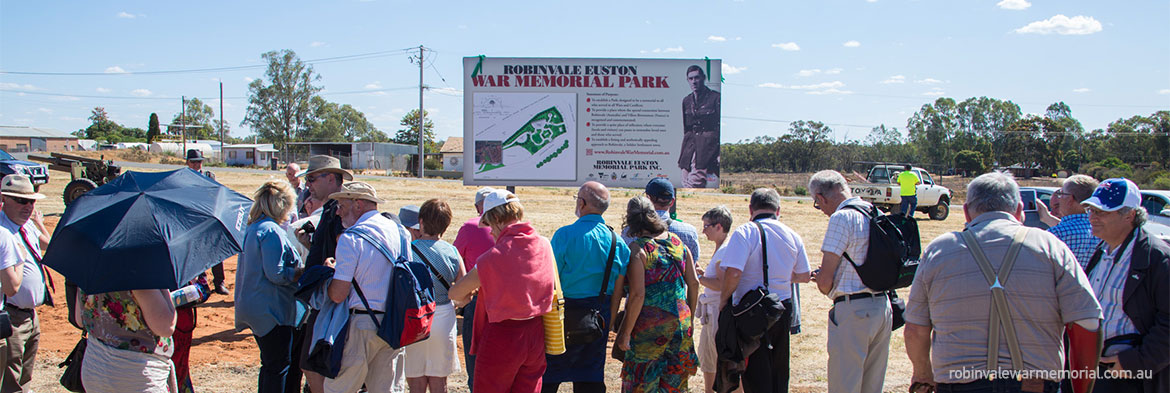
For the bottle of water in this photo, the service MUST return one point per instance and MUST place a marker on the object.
(185, 295)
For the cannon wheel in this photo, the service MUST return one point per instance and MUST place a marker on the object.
(77, 188)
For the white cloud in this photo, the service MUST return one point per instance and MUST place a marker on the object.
(788, 46)
(248, 79)
(1164, 91)
(716, 38)
(63, 98)
(45, 110)
(1014, 4)
(126, 15)
(450, 91)
(316, 44)
(833, 71)
(102, 90)
(807, 73)
(851, 44)
(141, 92)
(676, 49)
(1082, 90)
(1063, 25)
(115, 70)
(928, 81)
(830, 91)
(937, 92)
(729, 69)
(819, 86)
(894, 79)
(461, 27)
(17, 86)
(375, 85)
(871, 1)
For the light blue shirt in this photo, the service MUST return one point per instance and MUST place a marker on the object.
(32, 288)
(265, 280)
(1074, 230)
(445, 259)
(582, 250)
(686, 232)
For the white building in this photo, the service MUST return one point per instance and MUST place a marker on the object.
(453, 154)
(260, 155)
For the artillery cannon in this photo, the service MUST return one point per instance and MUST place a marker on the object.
(86, 173)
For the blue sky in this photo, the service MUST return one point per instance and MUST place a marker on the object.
(852, 64)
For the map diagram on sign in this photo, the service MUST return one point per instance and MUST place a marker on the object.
(525, 136)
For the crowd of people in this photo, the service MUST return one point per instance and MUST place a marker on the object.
(1095, 274)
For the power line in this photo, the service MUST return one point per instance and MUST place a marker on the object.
(326, 60)
(326, 93)
(919, 98)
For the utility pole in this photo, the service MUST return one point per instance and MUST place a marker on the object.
(421, 117)
(221, 157)
(183, 124)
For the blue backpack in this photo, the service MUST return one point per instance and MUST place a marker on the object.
(410, 301)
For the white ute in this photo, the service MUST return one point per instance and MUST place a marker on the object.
(881, 189)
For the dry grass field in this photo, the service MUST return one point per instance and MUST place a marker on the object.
(226, 361)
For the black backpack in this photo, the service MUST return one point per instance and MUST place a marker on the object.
(894, 249)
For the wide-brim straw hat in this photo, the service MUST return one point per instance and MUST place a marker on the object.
(323, 163)
(19, 186)
(357, 190)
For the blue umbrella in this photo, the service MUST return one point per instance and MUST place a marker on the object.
(147, 230)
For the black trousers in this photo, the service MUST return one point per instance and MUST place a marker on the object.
(278, 356)
(578, 387)
(767, 367)
(217, 275)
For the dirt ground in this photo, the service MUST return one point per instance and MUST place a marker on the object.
(223, 360)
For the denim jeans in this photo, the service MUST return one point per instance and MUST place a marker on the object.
(277, 373)
(909, 203)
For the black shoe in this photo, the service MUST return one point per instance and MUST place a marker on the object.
(221, 290)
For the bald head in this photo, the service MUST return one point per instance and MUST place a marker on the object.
(595, 198)
(291, 171)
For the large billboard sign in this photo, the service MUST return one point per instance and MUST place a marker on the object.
(565, 121)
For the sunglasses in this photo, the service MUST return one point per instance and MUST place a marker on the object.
(22, 201)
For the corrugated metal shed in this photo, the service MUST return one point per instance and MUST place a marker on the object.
(32, 132)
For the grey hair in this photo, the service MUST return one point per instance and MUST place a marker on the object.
(826, 181)
(993, 191)
(641, 219)
(1080, 186)
(594, 199)
(720, 215)
(1140, 215)
(765, 199)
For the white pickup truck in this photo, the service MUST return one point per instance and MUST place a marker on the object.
(882, 190)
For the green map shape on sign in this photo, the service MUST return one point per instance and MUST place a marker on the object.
(537, 133)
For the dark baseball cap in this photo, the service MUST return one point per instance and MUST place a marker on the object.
(660, 188)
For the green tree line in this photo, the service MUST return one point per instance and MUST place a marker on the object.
(970, 137)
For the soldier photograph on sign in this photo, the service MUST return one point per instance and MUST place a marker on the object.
(699, 158)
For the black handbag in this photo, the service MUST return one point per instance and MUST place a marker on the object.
(758, 309)
(71, 377)
(5, 325)
(618, 353)
(897, 308)
(584, 324)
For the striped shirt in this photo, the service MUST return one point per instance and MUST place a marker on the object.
(848, 233)
(1074, 231)
(445, 259)
(1108, 282)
